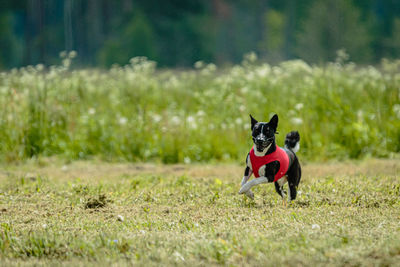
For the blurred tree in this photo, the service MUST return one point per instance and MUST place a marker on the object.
(135, 39)
(392, 43)
(10, 48)
(180, 32)
(332, 25)
(273, 42)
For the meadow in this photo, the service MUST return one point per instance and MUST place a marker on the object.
(140, 113)
(141, 165)
(94, 213)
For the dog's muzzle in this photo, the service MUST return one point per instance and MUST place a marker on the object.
(262, 143)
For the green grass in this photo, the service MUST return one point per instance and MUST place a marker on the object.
(101, 213)
(140, 113)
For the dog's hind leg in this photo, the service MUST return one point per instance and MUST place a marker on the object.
(279, 189)
(294, 176)
(292, 192)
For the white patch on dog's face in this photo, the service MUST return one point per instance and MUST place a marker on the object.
(261, 134)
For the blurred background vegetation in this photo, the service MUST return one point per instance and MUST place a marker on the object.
(184, 80)
(177, 33)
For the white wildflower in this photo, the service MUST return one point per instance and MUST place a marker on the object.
(239, 121)
(175, 120)
(156, 118)
(91, 111)
(201, 113)
(263, 71)
(123, 120)
(251, 56)
(120, 218)
(192, 122)
(250, 76)
(63, 54)
(72, 54)
(296, 121)
(147, 153)
(39, 67)
(315, 227)
(244, 90)
(199, 64)
(396, 110)
(186, 160)
(178, 256)
(211, 67)
(299, 106)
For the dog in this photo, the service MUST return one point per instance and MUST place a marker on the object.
(270, 163)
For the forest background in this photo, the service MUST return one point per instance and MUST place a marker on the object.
(178, 33)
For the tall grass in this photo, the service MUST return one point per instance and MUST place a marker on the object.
(138, 112)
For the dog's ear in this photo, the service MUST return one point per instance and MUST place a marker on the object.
(274, 122)
(253, 122)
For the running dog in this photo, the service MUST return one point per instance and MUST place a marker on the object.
(270, 163)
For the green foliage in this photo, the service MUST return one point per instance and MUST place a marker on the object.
(333, 25)
(10, 48)
(137, 40)
(179, 33)
(139, 113)
(274, 35)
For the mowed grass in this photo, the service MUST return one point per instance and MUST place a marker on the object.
(103, 213)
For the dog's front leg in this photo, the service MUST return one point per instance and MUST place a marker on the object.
(247, 186)
(247, 173)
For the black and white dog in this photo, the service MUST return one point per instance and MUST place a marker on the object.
(269, 162)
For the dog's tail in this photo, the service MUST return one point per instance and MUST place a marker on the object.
(292, 141)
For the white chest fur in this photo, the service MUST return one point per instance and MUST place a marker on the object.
(261, 171)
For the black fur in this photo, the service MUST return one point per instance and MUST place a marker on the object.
(292, 139)
(264, 135)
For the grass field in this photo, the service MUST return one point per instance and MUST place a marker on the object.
(91, 213)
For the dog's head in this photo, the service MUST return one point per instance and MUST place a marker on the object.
(263, 133)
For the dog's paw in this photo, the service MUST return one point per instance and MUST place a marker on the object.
(250, 194)
(244, 189)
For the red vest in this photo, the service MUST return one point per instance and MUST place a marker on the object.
(278, 155)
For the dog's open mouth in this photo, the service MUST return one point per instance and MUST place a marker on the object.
(262, 146)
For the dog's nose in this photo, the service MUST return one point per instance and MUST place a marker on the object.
(259, 140)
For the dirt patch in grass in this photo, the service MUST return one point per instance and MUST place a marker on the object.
(96, 202)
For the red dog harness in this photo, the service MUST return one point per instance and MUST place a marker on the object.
(278, 155)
